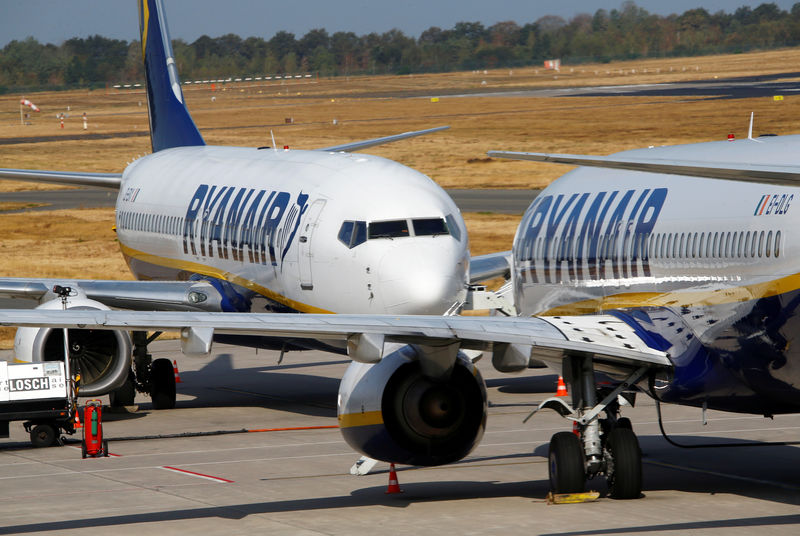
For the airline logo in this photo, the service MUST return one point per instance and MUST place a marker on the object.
(236, 222)
(777, 204)
(585, 228)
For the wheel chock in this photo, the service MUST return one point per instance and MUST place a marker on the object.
(572, 498)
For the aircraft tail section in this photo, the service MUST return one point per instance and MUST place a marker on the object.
(170, 122)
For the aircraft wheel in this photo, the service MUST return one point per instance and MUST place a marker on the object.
(566, 467)
(43, 435)
(124, 395)
(162, 384)
(624, 422)
(625, 475)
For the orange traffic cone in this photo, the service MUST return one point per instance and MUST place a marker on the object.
(394, 486)
(175, 369)
(77, 424)
(562, 387)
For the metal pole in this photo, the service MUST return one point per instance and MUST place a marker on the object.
(64, 292)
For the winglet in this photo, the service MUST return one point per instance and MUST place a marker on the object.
(170, 122)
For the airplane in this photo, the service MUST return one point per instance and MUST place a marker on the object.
(627, 276)
(205, 228)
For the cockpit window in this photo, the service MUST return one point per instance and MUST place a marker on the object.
(388, 229)
(453, 226)
(359, 233)
(429, 227)
(346, 233)
(353, 233)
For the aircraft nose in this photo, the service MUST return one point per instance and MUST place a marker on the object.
(426, 277)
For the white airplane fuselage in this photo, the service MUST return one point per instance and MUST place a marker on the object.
(269, 224)
(708, 265)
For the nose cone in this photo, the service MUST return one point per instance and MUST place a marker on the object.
(423, 275)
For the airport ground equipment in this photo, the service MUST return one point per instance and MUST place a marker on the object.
(39, 394)
(93, 444)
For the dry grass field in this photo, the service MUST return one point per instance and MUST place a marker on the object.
(81, 243)
(365, 107)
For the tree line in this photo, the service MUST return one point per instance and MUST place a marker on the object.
(626, 33)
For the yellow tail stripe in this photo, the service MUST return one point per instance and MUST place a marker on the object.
(145, 24)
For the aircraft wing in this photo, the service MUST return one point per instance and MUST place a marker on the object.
(785, 175)
(99, 180)
(364, 144)
(486, 267)
(136, 295)
(613, 344)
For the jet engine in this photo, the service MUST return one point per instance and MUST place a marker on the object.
(391, 411)
(101, 357)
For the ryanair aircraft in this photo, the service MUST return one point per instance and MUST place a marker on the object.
(248, 229)
(668, 272)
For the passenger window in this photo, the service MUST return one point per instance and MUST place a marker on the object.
(760, 243)
(777, 244)
(728, 244)
(452, 225)
(744, 244)
(429, 227)
(769, 243)
(753, 246)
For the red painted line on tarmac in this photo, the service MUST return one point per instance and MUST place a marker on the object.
(326, 427)
(199, 475)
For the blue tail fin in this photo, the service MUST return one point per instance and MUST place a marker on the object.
(170, 122)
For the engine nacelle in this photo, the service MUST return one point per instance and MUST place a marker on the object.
(390, 411)
(102, 357)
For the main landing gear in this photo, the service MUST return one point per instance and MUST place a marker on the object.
(155, 377)
(597, 446)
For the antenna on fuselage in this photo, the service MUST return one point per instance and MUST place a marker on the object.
(274, 147)
(750, 130)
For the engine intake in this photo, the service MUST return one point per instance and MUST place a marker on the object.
(391, 411)
(101, 357)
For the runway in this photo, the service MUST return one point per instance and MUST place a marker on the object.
(498, 201)
(295, 481)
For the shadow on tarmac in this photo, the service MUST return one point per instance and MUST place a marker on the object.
(220, 384)
(366, 497)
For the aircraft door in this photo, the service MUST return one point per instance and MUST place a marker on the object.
(304, 249)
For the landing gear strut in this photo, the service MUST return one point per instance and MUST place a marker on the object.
(154, 377)
(605, 446)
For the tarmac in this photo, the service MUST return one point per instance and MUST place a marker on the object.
(252, 446)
